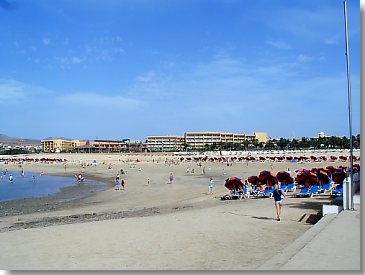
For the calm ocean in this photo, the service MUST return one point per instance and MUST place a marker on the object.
(39, 186)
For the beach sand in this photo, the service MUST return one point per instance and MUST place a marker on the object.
(155, 226)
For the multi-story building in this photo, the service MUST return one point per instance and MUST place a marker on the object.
(165, 143)
(112, 146)
(261, 136)
(59, 145)
(190, 140)
(108, 145)
(199, 140)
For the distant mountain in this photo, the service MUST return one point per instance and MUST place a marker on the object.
(6, 138)
(58, 138)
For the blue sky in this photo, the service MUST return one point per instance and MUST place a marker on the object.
(118, 69)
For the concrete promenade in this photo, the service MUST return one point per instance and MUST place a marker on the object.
(332, 244)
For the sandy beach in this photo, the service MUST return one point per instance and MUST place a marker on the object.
(151, 225)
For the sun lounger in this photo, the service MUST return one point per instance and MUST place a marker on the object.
(284, 188)
(326, 188)
(303, 192)
(291, 187)
(266, 193)
(314, 190)
(246, 192)
(338, 190)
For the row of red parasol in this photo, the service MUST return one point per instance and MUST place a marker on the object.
(270, 158)
(27, 159)
(304, 177)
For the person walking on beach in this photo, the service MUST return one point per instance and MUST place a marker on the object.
(278, 198)
(123, 184)
(210, 186)
(171, 178)
(117, 182)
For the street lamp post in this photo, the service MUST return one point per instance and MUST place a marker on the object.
(349, 102)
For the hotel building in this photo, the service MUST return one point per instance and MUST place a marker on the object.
(198, 140)
(58, 145)
(110, 146)
(165, 143)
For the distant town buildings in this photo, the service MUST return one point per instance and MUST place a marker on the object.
(190, 140)
(95, 146)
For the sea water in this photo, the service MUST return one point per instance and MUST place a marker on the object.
(33, 185)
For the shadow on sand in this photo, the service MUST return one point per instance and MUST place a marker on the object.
(310, 204)
(262, 218)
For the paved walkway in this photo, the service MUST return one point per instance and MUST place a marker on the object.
(332, 244)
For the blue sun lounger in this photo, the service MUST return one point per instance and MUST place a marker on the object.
(291, 187)
(314, 190)
(327, 187)
(284, 187)
(338, 190)
(303, 192)
(266, 193)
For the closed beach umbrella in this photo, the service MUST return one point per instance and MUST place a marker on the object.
(266, 177)
(343, 158)
(331, 169)
(333, 158)
(342, 167)
(306, 178)
(339, 175)
(253, 180)
(284, 177)
(313, 158)
(234, 183)
(323, 177)
(324, 158)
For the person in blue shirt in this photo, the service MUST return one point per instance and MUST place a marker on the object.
(278, 196)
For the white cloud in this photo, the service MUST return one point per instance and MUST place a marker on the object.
(302, 58)
(66, 62)
(221, 64)
(91, 100)
(77, 60)
(148, 77)
(11, 91)
(279, 45)
(103, 52)
(46, 41)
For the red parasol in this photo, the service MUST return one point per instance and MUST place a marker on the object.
(234, 183)
(284, 177)
(266, 177)
(253, 180)
(323, 177)
(307, 178)
(339, 175)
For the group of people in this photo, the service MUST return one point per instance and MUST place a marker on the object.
(119, 184)
(79, 177)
